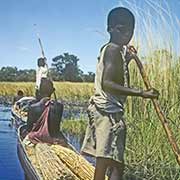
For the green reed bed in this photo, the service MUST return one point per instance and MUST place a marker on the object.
(75, 127)
(11, 88)
(64, 90)
(74, 91)
(148, 154)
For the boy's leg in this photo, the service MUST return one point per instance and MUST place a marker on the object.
(117, 171)
(101, 167)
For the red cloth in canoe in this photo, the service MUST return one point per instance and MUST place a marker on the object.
(40, 132)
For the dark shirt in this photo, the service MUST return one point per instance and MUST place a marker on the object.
(54, 118)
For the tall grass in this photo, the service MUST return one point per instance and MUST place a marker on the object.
(157, 35)
(74, 91)
(64, 90)
(11, 88)
(74, 127)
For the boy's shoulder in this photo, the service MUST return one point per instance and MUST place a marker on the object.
(112, 48)
(111, 52)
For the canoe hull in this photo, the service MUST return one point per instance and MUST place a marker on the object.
(16, 120)
(29, 170)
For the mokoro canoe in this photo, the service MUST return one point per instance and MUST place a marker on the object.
(31, 172)
(78, 168)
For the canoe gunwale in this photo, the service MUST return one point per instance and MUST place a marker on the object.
(29, 170)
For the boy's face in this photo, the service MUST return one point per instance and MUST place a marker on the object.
(41, 62)
(123, 33)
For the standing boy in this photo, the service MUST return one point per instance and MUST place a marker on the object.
(41, 72)
(106, 131)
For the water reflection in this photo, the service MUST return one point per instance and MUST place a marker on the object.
(10, 168)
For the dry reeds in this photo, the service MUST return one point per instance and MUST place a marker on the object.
(76, 163)
(51, 166)
(64, 90)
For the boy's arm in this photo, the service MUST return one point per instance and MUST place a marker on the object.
(46, 64)
(113, 66)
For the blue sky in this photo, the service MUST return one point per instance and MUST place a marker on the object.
(77, 27)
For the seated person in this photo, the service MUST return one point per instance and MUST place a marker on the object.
(24, 102)
(19, 95)
(56, 109)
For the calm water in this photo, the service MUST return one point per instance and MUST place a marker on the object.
(10, 168)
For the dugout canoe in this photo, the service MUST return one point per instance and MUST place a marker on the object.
(19, 121)
(29, 160)
(71, 162)
(30, 171)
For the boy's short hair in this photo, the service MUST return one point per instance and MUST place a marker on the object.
(46, 87)
(122, 16)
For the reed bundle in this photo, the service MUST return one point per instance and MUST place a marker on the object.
(32, 157)
(19, 111)
(76, 163)
(23, 114)
(51, 166)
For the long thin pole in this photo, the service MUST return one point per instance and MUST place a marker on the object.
(43, 54)
(42, 51)
(159, 112)
(40, 42)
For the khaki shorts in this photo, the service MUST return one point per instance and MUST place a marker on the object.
(105, 135)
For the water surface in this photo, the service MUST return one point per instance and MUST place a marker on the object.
(10, 168)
